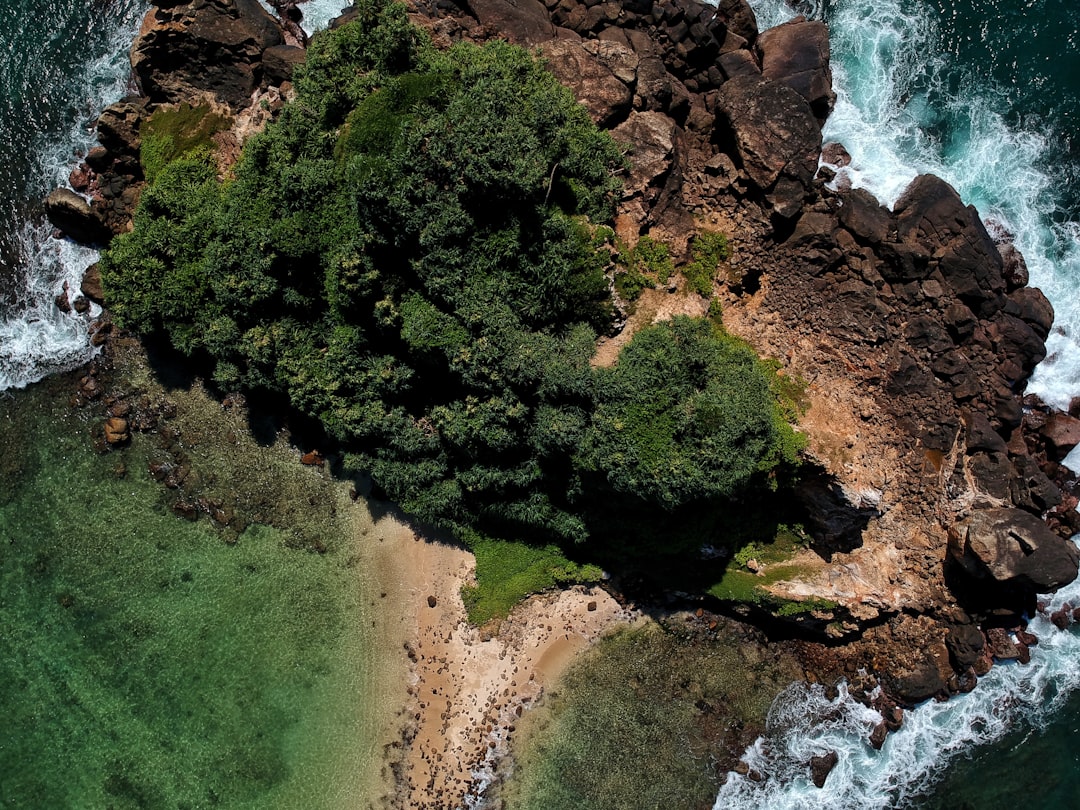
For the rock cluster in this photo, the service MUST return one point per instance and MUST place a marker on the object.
(939, 498)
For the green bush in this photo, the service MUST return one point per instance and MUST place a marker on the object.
(707, 250)
(414, 255)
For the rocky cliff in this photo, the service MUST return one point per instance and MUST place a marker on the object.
(935, 499)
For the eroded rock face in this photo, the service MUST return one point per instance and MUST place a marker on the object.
(1014, 550)
(213, 46)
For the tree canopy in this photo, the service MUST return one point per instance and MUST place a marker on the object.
(410, 254)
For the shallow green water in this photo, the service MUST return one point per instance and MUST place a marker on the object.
(147, 664)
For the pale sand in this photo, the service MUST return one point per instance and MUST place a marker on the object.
(465, 691)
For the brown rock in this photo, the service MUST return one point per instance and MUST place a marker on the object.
(835, 154)
(651, 136)
(91, 284)
(797, 54)
(878, 735)
(773, 128)
(279, 62)
(603, 94)
(312, 458)
(591, 606)
(116, 430)
(432, 601)
(1061, 433)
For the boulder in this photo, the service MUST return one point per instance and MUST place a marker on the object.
(603, 94)
(204, 46)
(91, 284)
(772, 127)
(864, 217)
(738, 17)
(73, 215)
(1031, 306)
(965, 644)
(524, 22)
(797, 54)
(118, 130)
(1061, 433)
(651, 136)
(279, 62)
(1012, 548)
(822, 766)
(936, 231)
(1014, 267)
(116, 430)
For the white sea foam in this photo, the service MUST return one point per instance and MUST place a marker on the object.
(317, 14)
(36, 339)
(803, 723)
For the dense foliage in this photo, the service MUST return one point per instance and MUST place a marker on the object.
(409, 253)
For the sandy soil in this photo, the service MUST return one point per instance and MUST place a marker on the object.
(466, 689)
(652, 307)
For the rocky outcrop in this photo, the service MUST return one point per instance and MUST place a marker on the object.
(1011, 552)
(203, 46)
(914, 329)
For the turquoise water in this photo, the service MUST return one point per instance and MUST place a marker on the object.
(147, 663)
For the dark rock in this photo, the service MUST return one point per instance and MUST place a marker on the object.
(878, 735)
(773, 129)
(797, 54)
(204, 46)
(865, 218)
(935, 230)
(981, 436)
(1030, 305)
(965, 644)
(279, 61)
(1013, 548)
(591, 606)
(432, 601)
(821, 767)
(73, 215)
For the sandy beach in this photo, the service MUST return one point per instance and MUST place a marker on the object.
(466, 688)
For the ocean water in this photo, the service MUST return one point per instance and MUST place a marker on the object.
(148, 663)
(986, 94)
(63, 61)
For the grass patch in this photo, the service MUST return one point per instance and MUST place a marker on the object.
(707, 251)
(507, 571)
(643, 267)
(739, 584)
(172, 132)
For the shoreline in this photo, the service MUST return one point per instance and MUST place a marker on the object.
(466, 687)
